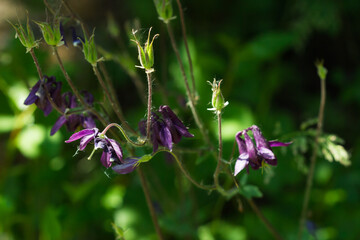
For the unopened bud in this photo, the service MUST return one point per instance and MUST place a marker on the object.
(322, 71)
(217, 100)
(89, 50)
(51, 33)
(164, 10)
(146, 53)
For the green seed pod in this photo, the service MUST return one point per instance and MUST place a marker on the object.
(217, 100)
(52, 34)
(164, 10)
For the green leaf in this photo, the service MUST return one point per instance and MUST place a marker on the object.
(250, 191)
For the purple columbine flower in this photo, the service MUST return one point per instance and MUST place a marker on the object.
(176, 127)
(112, 151)
(77, 40)
(128, 166)
(165, 130)
(38, 95)
(73, 121)
(255, 156)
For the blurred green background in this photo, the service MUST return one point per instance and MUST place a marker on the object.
(265, 52)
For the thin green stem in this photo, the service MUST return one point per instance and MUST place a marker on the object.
(148, 121)
(183, 28)
(138, 144)
(116, 107)
(313, 159)
(186, 173)
(219, 162)
(75, 91)
(266, 222)
(149, 203)
(188, 92)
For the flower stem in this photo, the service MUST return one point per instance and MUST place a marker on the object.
(149, 203)
(186, 173)
(115, 106)
(266, 222)
(41, 76)
(148, 121)
(123, 133)
(183, 28)
(74, 89)
(188, 92)
(313, 159)
(219, 163)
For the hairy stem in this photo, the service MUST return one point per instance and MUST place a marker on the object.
(313, 159)
(148, 121)
(116, 107)
(149, 203)
(183, 28)
(141, 143)
(75, 91)
(219, 163)
(266, 222)
(188, 92)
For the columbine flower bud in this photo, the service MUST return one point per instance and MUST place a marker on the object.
(89, 50)
(146, 53)
(164, 10)
(27, 38)
(217, 100)
(322, 71)
(52, 34)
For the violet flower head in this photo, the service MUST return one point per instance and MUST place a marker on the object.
(112, 151)
(73, 121)
(38, 94)
(76, 39)
(166, 129)
(257, 156)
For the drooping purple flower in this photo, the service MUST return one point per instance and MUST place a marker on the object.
(127, 166)
(176, 127)
(255, 156)
(38, 94)
(73, 121)
(112, 151)
(165, 130)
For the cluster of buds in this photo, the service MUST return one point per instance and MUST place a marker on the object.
(146, 53)
(257, 156)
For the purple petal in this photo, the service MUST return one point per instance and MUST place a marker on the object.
(47, 108)
(128, 166)
(105, 159)
(165, 136)
(117, 149)
(274, 143)
(266, 153)
(32, 95)
(58, 124)
(88, 122)
(82, 133)
(84, 141)
(240, 165)
(259, 138)
(241, 143)
(253, 159)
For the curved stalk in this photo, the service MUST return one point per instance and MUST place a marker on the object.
(313, 159)
(123, 133)
(186, 173)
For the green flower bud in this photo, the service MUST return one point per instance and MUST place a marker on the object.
(217, 100)
(89, 50)
(164, 10)
(322, 71)
(26, 38)
(52, 34)
(146, 53)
